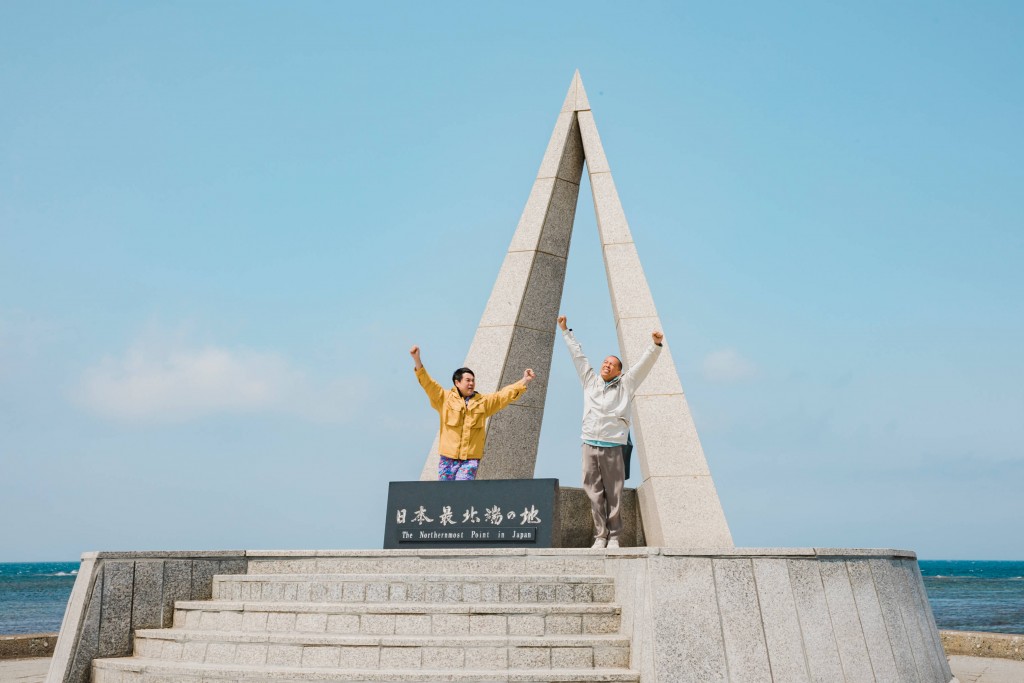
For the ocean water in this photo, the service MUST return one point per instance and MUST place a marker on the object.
(976, 595)
(33, 596)
(965, 595)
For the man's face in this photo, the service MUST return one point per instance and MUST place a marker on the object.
(466, 385)
(610, 368)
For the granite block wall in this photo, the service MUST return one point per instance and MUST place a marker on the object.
(777, 614)
(117, 593)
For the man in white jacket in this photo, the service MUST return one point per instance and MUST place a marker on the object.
(607, 404)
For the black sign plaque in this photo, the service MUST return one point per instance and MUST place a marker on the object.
(494, 513)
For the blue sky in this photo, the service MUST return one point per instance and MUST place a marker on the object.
(223, 225)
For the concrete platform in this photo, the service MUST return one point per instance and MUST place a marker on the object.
(661, 615)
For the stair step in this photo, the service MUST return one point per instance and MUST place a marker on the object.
(466, 561)
(141, 670)
(382, 652)
(401, 618)
(414, 588)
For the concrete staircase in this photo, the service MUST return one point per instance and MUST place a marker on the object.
(393, 616)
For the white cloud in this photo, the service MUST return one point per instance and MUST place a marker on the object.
(727, 365)
(151, 383)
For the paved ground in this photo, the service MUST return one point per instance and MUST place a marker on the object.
(24, 670)
(985, 670)
(967, 669)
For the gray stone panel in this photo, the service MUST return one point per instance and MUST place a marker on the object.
(903, 596)
(611, 220)
(529, 349)
(853, 651)
(917, 604)
(147, 594)
(177, 585)
(569, 105)
(557, 234)
(116, 608)
(684, 608)
(513, 433)
(577, 521)
(239, 566)
(632, 591)
(582, 103)
(596, 160)
(202, 579)
(779, 618)
(531, 221)
(876, 637)
(675, 508)
(505, 303)
(631, 297)
(892, 615)
(745, 649)
(666, 439)
(812, 607)
(571, 166)
(87, 644)
(486, 357)
(542, 300)
(550, 164)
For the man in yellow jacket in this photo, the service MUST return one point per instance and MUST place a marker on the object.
(464, 414)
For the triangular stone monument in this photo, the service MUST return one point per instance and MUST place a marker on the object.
(678, 501)
(695, 611)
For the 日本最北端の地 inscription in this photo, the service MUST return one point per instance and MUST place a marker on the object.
(472, 514)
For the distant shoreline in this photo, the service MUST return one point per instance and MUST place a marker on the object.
(27, 645)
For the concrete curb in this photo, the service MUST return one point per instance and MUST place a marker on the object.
(981, 644)
(28, 645)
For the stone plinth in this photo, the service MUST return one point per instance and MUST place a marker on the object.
(577, 522)
(777, 614)
(650, 615)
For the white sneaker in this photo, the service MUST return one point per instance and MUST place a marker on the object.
(613, 543)
(599, 543)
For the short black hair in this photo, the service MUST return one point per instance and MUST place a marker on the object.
(619, 360)
(457, 375)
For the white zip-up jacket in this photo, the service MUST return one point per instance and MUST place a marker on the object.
(607, 405)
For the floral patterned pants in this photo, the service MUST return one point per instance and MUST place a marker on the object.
(450, 469)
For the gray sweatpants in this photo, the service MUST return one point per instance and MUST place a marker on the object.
(604, 475)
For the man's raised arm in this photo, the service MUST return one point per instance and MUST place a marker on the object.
(502, 397)
(434, 391)
(583, 368)
(638, 373)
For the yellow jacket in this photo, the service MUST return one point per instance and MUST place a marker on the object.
(462, 422)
